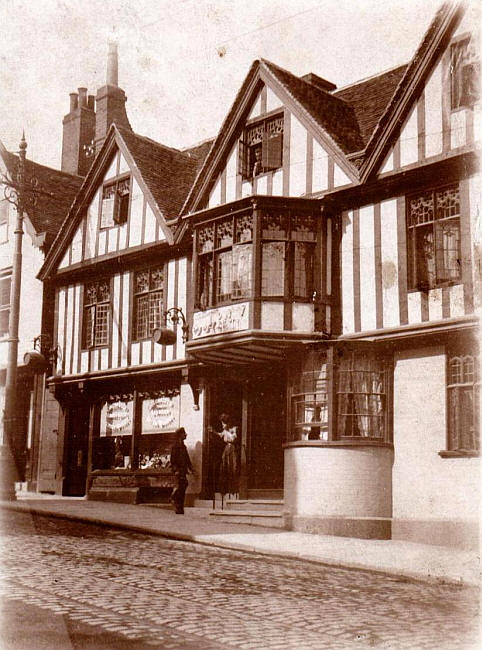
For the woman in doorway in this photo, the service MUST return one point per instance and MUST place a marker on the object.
(228, 470)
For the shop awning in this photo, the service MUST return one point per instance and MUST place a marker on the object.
(249, 346)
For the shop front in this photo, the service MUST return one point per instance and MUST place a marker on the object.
(118, 432)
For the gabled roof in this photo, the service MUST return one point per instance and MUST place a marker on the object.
(370, 97)
(168, 173)
(164, 175)
(435, 40)
(332, 114)
(56, 191)
(332, 119)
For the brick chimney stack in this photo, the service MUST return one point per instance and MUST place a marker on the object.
(78, 133)
(110, 101)
(89, 118)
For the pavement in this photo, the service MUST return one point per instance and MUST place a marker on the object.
(394, 557)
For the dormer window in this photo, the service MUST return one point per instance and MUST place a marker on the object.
(115, 203)
(465, 71)
(261, 147)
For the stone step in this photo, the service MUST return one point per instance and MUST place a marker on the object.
(271, 505)
(266, 518)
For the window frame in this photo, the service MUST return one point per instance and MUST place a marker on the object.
(462, 353)
(327, 428)
(459, 97)
(6, 276)
(122, 201)
(94, 306)
(247, 167)
(149, 293)
(209, 259)
(414, 260)
(4, 220)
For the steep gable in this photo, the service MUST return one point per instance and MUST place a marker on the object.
(155, 178)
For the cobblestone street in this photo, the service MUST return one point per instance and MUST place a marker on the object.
(168, 594)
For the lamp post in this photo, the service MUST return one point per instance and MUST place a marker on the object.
(18, 194)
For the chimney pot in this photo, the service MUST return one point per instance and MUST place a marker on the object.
(82, 96)
(91, 102)
(112, 65)
(74, 101)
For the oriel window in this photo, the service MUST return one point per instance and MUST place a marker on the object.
(224, 261)
(287, 255)
(97, 310)
(148, 301)
(434, 253)
(115, 203)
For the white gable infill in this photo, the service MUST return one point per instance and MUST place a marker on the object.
(397, 112)
(103, 167)
(247, 105)
(319, 134)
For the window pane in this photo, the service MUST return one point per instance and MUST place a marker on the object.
(205, 239)
(155, 311)
(142, 311)
(89, 326)
(448, 256)
(463, 404)
(224, 233)
(303, 278)
(205, 281)
(5, 291)
(425, 256)
(273, 269)
(242, 256)
(101, 325)
(4, 316)
(224, 281)
(274, 226)
(244, 228)
(361, 396)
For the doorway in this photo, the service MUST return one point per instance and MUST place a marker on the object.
(76, 450)
(267, 397)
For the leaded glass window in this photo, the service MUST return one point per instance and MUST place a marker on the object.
(148, 290)
(261, 147)
(97, 309)
(434, 238)
(463, 390)
(115, 203)
(310, 398)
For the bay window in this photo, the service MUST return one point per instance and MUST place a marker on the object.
(224, 261)
(287, 255)
(340, 395)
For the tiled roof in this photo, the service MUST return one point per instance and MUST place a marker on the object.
(332, 114)
(168, 173)
(370, 97)
(55, 194)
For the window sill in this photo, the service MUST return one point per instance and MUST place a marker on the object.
(459, 454)
(364, 442)
(442, 285)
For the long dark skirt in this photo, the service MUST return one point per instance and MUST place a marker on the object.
(228, 471)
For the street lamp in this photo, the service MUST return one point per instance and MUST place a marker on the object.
(19, 193)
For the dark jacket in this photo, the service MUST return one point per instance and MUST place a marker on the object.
(180, 461)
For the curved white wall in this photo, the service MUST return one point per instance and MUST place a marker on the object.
(350, 481)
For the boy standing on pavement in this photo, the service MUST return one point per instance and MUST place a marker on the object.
(181, 465)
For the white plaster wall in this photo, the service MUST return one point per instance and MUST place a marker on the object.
(30, 296)
(338, 481)
(426, 486)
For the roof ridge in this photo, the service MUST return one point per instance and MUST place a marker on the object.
(373, 76)
(146, 138)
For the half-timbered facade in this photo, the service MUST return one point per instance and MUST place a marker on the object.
(324, 251)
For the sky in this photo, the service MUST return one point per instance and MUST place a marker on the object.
(181, 62)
